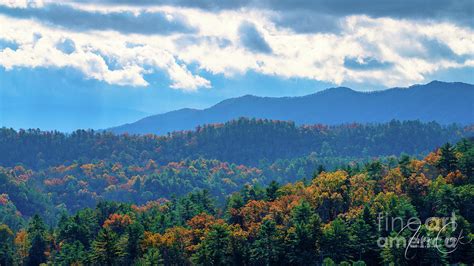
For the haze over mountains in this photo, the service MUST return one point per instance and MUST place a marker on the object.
(436, 101)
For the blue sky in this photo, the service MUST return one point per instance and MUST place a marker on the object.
(96, 64)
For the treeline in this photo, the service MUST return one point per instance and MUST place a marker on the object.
(333, 218)
(68, 188)
(242, 141)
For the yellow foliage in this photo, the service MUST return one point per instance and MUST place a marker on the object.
(22, 244)
(361, 189)
(393, 181)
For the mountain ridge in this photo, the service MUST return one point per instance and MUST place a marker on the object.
(335, 105)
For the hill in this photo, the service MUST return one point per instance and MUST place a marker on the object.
(243, 141)
(336, 217)
(436, 101)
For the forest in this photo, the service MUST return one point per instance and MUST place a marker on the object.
(332, 218)
(242, 141)
(247, 192)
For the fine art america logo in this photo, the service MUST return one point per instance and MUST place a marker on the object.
(441, 233)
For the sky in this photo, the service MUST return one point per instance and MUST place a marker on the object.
(95, 64)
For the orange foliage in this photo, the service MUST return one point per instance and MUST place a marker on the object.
(151, 204)
(418, 184)
(253, 213)
(417, 165)
(53, 182)
(433, 157)
(280, 209)
(3, 199)
(393, 181)
(22, 244)
(456, 178)
(151, 165)
(117, 220)
(361, 190)
(62, 168)
(88, 169)
(179, 237)
(201, 221)
(151, 240)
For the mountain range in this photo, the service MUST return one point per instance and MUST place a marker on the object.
(438, 101)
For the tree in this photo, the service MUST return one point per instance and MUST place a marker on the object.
(404, 164)
(215, 248)
(71, 254)
(336, 241)
(105, 249)
(134, 235)
(364, 238)
(151, 258)
(393, 250)
(22, 246)
(304, 237)
(328, 262)
(268, 247)
(447, 161)
(37, 238)
(6, 245)
(272, 191)
(466, 162)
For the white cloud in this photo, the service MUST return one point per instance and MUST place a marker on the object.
(92, 49)
(216, 48)
(22, 3)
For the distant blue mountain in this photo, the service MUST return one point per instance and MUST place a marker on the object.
(437, 101)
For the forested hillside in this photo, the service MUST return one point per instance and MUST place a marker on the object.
(242, 141)
(333, 106)
(247, 184)
(332, 217)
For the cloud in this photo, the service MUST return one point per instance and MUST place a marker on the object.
(186, 41)
(459, 11)
(252, 39)
(305, 21)
(125, 21)
(105, 56)
(366, 63)
(6, 44)
(230, 42)
(66, 46)
(435, 49)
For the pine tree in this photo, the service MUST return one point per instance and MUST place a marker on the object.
(215, 248)
(37, 238)
(404, 164)
(336, 241)
(104, 248)
(272, 191)
(71, 254)
(152, 257)
(268, 247)
(447, 161)
(6, 245)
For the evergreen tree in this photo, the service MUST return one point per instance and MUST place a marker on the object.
(447, 161)
(328, 262)
(404, 164)
(39, 244)
(272, 191)
(215, 249)
(336, 241)
(268, 247)
(151, 258)
(466, 162)
(71, 254)
(6, 245)
(105, 250)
